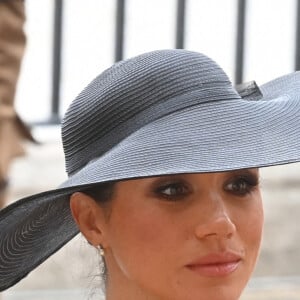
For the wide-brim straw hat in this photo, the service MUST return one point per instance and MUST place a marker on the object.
(163, 112)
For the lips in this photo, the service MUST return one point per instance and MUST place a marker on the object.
(216, 264)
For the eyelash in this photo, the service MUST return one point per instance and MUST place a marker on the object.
(249, 182)
(182, 190)
(240, 185)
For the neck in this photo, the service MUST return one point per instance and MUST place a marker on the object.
(119, 286)
(125, 290)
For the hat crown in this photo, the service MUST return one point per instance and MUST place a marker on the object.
(131, 94)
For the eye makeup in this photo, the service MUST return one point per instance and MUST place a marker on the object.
(171, 188)
(242, 182)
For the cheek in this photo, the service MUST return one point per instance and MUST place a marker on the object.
(138, 226)
(251, 227)
(141, 237)
(255, 223)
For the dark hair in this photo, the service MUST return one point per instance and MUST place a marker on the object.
(101, 192)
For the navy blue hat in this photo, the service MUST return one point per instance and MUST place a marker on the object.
(163, 112)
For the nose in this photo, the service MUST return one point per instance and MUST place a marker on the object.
(217, 224)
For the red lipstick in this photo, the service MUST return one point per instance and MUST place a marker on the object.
(216, 264)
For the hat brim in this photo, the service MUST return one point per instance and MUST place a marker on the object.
(250, 134)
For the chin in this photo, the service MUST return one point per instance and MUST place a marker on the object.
(217, 293)
(215, 289)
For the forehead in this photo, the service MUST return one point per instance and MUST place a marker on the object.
(189, 176)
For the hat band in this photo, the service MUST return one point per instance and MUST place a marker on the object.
(249, 91)
(98, 146)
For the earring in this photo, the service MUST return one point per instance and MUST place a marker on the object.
(100, 250)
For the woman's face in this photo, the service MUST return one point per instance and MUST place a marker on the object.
(190, 236)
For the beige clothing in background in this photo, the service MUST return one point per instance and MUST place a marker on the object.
(12, 44)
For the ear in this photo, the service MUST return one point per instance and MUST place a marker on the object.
(89, 217)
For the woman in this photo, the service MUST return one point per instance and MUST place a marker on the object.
(162, 155)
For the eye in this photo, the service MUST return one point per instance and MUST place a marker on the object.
(172, 190)
(242, 185)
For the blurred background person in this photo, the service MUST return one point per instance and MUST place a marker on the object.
(12, 129)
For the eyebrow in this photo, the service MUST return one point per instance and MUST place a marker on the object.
(248, 170)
